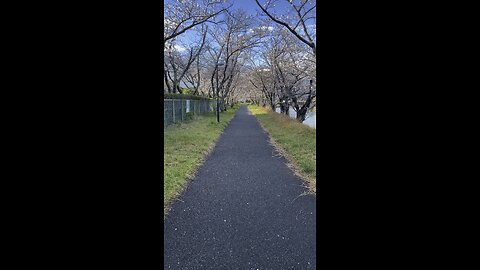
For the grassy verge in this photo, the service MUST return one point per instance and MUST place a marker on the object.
(185, 146)
(294, 140)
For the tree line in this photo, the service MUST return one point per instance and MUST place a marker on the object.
(225, 53)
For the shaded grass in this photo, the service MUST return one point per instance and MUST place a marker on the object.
(185, 147)
(294, 140)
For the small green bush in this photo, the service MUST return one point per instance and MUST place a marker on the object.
(187, 91)
(189, 116)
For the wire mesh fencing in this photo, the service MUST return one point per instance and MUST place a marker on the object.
(180, 110)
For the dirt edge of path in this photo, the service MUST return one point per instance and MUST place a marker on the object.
(167, 207)
(309, 183)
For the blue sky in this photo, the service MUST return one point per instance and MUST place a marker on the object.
(250, 6)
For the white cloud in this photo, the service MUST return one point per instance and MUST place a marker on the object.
(270, 28)
(176, 47)
(179, 48)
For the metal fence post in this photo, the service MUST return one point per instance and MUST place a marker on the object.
(182, 110)
(173, 109)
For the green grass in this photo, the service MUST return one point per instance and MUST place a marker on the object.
(294, 140)
(185, 146)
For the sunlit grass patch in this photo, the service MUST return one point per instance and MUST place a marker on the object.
(185, 146)
(294, 140)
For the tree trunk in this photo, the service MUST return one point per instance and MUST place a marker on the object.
(302, 114)
(282, 107)
(272, 103)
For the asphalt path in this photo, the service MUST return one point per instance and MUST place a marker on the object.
(243, 210)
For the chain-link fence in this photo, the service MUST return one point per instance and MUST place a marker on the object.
(179, 110)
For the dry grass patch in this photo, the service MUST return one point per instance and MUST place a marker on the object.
(294, 140)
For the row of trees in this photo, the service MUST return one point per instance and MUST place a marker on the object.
(235, 56)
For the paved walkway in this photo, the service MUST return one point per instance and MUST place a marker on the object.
(243, 209)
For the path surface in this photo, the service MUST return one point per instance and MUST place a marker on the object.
(243, 210)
